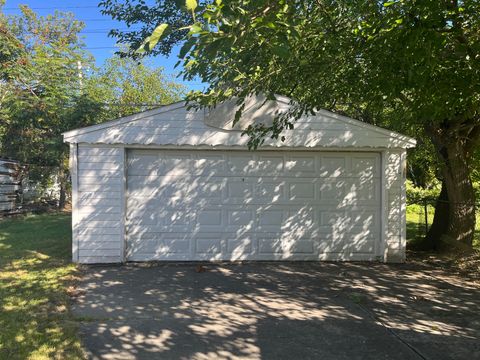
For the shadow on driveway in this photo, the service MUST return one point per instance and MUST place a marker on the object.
(277, 311)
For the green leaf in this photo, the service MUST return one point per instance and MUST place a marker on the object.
(141, 49)
(239, 77)
(195, 28)
(281, 51)
(186, 47)
(388, 3)
(238, 114)
(190, 63)
(157, 34)
(152, 40)
(191, 5)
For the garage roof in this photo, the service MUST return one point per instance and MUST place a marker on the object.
(175, 125)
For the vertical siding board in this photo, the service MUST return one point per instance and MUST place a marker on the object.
(101, 219)
(123, 199)
(74, 176)
(396, 206)
(403, 212)
(384, 207)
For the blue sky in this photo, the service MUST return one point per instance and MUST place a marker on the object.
(95, 33)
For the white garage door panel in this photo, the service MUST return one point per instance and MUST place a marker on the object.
(212, 205)
(255, 190)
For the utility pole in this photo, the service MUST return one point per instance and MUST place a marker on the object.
(80, 74)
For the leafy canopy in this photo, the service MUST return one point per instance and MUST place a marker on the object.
(138, 12)
(41, 79)
(123, 86)
(415, 61)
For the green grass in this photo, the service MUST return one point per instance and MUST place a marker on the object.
(416, 223)
(35, 271)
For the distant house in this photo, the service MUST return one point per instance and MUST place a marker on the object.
(179, 184)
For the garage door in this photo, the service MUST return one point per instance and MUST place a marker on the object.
(233, 205)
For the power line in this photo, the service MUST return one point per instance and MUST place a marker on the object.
(100, 48)
(85, 20)
(103, 31)
(113, 27)
(107, 19)
(97, 20)
(107, 29)
(57, 8)
(131, 104)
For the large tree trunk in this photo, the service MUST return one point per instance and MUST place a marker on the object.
(454, 153)
(440, 222)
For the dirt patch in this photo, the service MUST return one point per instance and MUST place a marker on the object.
(464, 265)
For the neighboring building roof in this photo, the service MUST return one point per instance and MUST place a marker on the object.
(175, 125)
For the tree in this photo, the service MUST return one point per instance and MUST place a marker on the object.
(416, 63)
(11, 53)
(45, 90)
(124, 86)
(12, 57)
(38, 89)
(134, 12)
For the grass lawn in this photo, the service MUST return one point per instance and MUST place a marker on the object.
(35, 272)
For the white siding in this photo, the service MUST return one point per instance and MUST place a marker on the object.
(395, 206)
(73, 165)
(182, 127)
(98, 205)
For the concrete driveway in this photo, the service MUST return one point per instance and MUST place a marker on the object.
(277, 311)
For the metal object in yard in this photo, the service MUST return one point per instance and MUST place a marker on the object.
(11, 174)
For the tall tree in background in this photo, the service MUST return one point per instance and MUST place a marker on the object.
(49, 84)
(124, 86)
(415, 63)
(39, 89)
(12, 55)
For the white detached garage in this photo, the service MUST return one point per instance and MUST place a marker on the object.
(178, 184)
